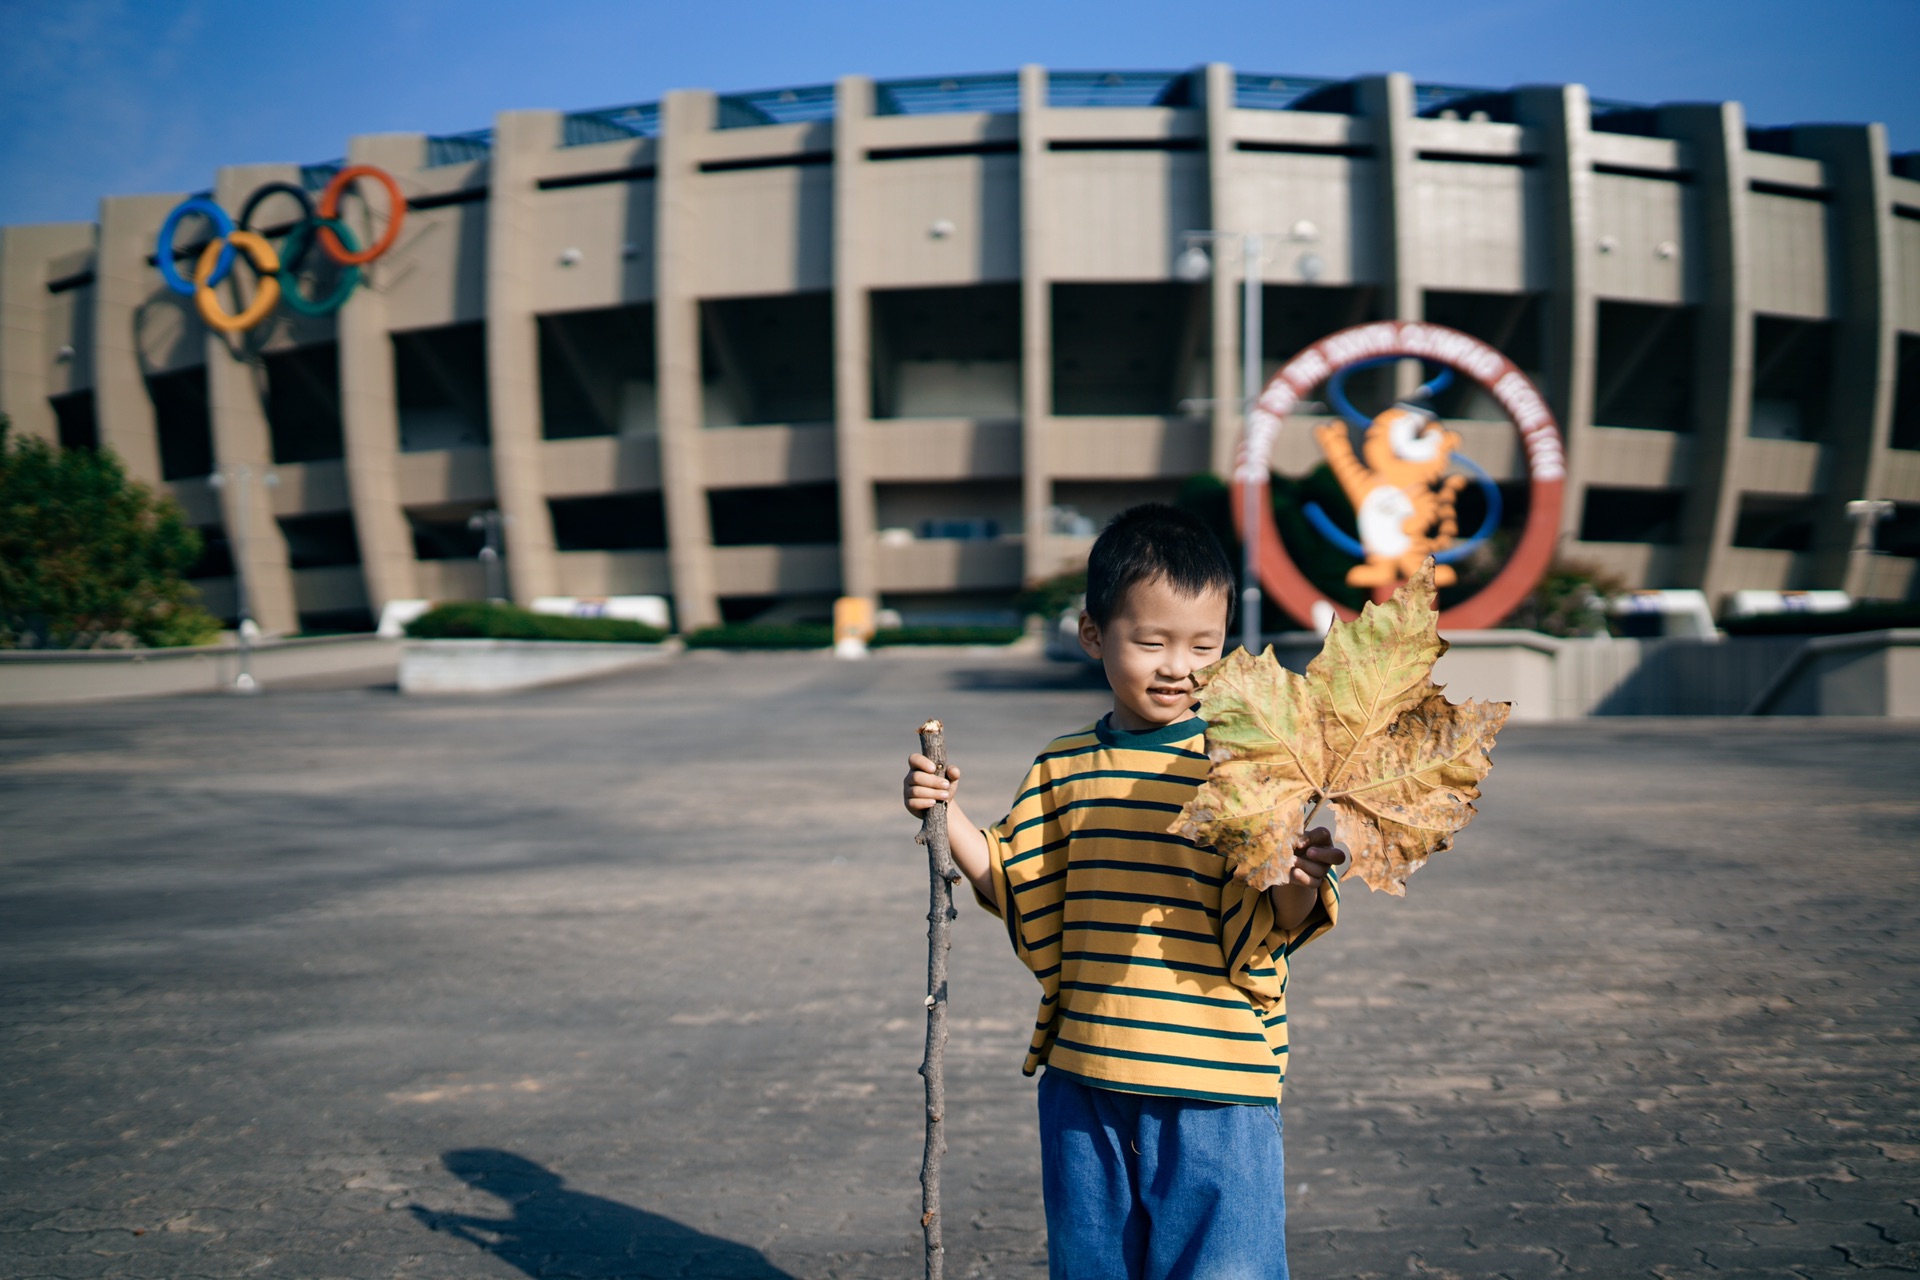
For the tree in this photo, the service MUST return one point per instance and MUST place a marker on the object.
(88, 557)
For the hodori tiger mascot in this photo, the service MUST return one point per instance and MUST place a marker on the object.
(1402, 496)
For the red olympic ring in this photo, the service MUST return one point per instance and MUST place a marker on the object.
(1525, 407)
(330, 208)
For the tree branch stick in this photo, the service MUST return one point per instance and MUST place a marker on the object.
(941, 877)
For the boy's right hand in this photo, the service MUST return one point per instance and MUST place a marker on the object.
(923, 787)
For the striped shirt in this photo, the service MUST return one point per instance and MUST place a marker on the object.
(1159, 972)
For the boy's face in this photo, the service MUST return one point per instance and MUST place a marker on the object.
(1157, 638)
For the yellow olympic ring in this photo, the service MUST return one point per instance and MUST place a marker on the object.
(265, 261)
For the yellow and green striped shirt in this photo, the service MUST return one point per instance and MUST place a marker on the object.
(1159, 972)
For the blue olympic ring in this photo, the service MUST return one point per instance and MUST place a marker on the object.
(1337, 388)
(223, 224)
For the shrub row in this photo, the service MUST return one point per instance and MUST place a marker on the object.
(477, 620)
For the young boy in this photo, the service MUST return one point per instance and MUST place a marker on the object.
(1163, 1022)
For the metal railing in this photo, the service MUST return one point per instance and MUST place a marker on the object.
(610, 124)
(997, 92)
(1607, 116)
(1430, 100)
(315, 177)
(775, 106)
(1121, 89)
(458, 148)
(1255, 92)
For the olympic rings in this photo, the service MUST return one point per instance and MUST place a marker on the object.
(330, 208)
(319, 223)
(224, 224)
(264, 260)
(260, 196)
(299, 240)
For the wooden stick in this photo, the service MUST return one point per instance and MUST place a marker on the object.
(942, 875)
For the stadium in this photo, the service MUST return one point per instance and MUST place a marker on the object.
(914, 340)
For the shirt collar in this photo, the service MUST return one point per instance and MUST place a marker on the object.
(1178, 731)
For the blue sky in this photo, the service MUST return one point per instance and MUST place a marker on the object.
(124, 96)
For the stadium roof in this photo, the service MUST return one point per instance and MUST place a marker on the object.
(999, 92)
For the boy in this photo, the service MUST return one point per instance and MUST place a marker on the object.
(1163, 1009)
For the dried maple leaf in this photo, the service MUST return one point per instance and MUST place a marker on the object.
(1365, 731)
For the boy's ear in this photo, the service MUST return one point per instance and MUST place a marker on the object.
(1089, 636)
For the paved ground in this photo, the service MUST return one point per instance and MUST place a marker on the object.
(623, 980)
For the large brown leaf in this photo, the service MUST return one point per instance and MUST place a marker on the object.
(1365, 731)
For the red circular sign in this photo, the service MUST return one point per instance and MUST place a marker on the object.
(1523, 404)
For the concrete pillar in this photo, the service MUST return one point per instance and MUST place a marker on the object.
(1226, 210)
(1860, 413)
(26, 352)
(1387, 103)
(678, 243)
(236, 385)
(369, 410)
(1723, 350)
(1036, 328)
(852, 339)
(513, 349)
(137, 320)
(1563, 117)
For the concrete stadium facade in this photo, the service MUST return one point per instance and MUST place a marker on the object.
(891, 338)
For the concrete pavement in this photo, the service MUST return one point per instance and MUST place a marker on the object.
(623, 979)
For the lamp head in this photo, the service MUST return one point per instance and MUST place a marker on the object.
(1193, 265)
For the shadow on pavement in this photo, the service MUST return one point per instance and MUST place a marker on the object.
(551, 1230)
(1029, 678)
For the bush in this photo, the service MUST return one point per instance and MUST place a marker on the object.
(972, 634)
(90, 558)
(1324, 564)
(477, 620)
(1867, 615)
(762, 635)
(1571, 600)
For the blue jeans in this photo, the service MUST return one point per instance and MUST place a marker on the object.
(1142, 1188)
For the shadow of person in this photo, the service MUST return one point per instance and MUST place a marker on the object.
(550, 1230)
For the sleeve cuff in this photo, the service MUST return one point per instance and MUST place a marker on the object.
(997, 871)
(1325, 914)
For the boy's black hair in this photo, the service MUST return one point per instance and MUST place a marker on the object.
(1155, 541)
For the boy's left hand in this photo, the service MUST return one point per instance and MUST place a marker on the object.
(1313, 857)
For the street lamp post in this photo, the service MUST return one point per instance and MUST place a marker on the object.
(488, 524)
(239, 475)
(1866, 513)
(1194, 264)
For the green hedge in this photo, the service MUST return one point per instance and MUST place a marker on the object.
(1870, 615)
(475, 620)
(762, 635)
(946, 635)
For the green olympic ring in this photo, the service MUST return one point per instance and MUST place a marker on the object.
(299, 240)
